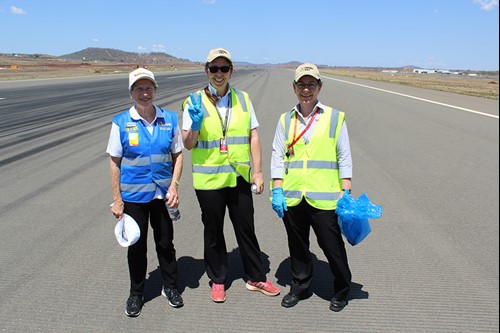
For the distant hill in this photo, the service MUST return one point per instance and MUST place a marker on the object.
(118, 57)
(92, 54)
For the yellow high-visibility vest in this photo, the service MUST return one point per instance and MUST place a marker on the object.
(312, 171)
(213, 169)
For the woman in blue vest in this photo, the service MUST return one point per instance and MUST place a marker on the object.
(145, 148)
(220, 128)
(311, 166)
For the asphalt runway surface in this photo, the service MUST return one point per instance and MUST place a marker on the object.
(430, 264)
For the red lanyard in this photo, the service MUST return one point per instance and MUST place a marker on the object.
(305, 129)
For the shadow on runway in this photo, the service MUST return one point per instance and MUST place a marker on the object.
(191, 271)
(322, 284)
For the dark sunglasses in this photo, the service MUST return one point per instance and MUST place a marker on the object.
(215, 69)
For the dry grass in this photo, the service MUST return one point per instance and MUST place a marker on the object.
(52, 69)
(480, 86)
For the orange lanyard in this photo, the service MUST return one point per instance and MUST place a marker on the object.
(305, 129)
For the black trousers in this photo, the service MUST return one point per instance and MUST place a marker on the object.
(298, 221)
(239, 203)
(156, 213)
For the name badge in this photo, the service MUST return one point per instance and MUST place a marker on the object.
(223, 145)
(131, 127)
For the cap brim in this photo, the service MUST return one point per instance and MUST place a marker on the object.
(127, 231)
(219, 56)
(298, 77)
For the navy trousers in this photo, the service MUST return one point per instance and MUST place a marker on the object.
(298, 221)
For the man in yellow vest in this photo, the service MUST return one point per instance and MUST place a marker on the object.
(311, 166)
(220, 127)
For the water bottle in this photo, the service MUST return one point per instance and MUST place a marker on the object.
(253, 188)
(174, 212)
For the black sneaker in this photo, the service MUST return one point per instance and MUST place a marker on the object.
(134, 305)
(173, 296)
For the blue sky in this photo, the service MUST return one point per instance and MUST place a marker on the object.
(442, 34)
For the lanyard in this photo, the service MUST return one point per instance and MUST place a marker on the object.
(224, 124)
(305, 129)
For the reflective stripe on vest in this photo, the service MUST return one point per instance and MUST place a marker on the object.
(211, 168)
(230, 141)
(313, 170)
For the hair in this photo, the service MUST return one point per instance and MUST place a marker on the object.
(213, 98)
(132, 88)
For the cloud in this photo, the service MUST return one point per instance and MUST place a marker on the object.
(141, 48)
(209, 2)
(487, 4)
(17, 11)
(95, 40)
(158, 48)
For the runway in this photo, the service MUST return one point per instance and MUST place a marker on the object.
(431, 263)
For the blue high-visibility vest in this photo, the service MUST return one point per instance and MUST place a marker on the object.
(146, 160)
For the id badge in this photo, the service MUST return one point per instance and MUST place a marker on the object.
(133, 139)
(223, 145)
(290, 152)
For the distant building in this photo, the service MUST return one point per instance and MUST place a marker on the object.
(424, 71)
(436, 71)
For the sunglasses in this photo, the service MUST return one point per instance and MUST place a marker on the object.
(215, 69)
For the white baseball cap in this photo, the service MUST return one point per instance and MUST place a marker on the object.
(127, 231)
(218, 52)
(307, 69)
(139, 74)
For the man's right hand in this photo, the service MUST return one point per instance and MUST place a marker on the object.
(278, 202)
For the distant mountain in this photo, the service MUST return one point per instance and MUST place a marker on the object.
(92, 54)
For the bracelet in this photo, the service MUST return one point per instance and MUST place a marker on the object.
(176, 182)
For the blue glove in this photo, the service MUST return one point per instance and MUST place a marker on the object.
(278, 202)
(195, 112)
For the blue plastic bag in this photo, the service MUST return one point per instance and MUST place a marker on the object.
(353, 216)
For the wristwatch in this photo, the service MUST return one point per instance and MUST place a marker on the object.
(346, 189)
(176, 182)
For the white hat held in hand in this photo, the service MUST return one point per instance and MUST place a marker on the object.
(127, 231)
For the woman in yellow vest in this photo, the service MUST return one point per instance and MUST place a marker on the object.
(220, 128)
(311, 166)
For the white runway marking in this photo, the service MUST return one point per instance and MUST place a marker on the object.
(420, 99)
